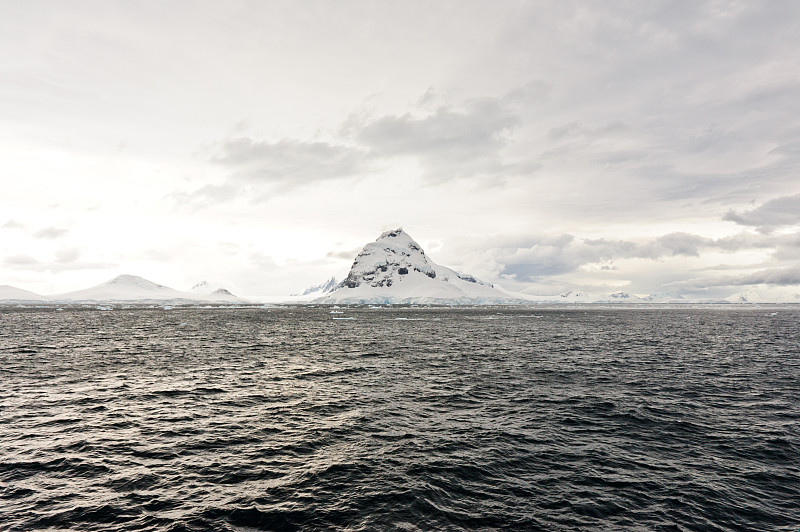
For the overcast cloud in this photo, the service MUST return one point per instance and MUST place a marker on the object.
(537, 258)
(773, 214)
(544, 146)
(289, 161)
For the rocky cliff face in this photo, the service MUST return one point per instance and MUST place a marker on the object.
(383, 262)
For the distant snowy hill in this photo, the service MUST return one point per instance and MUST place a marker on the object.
(763, 295)
(620, 297)
(394, 269)
(221, 295)
(664, 297)
(213, 292)
(624, 298)
(203, 287)
(319, 289)
(133, 289)
(12, 294)
(572, 296)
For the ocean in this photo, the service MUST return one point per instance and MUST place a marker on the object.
(489, 418)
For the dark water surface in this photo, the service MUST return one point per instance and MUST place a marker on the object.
(568, 419)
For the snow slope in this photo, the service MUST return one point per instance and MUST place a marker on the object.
(394, 269)
(665, 297)
(213, 292)
(763, 295)
(625, 298)
(203, 287)
(221, 295)
(575, 296)
(620, 297)
(319, 289)
(133, 289)
(12, 294)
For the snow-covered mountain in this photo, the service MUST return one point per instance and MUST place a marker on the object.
(620, 297)
(133, 289)
(580, 297)
(203, 287)
(394, 269)
(576, 296)
(213, 292)
(221, 295)
(12, 294)
(763, 295)
(319, 289)
(664, 297)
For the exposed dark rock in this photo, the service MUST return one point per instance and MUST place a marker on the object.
(431, 273)
(351, 281)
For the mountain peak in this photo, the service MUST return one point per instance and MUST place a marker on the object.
(202, 286)
(322, 288)
(382, 263)
(393, 233)
(133, 281)
(395, 269)
(12, 293)
(133, 289)
(221, 292)
(206, 288)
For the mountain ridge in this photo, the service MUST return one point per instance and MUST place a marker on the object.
(128, 288)
(12, 294)
(322, 288)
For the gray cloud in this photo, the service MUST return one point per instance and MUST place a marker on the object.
(576, 129)
(428, 97)
(789, 249)
(673, 244)
(262, 261)
(748, 240)
(207, 195)
(344, 255)
(684, 244)
(63, 260)
(290, 162)
(532, 259)
(536, 91)
(771, 215)
(13, 224)
(774, 276)
(67, 255)
(450, 143)
(788, 150)
(19, 261)
(50, 233)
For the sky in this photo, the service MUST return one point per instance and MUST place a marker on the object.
(638, 146)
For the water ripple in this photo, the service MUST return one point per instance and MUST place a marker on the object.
(400, 419)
